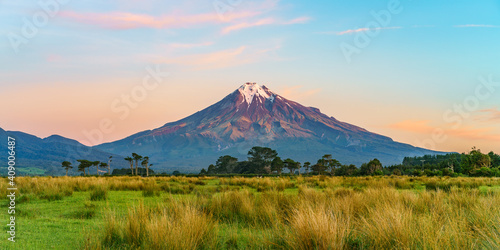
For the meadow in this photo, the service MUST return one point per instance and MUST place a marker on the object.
(292, 212)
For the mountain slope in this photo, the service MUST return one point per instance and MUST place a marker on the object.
(253, 115)
(45, 155)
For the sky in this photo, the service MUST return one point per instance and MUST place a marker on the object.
(422, 72)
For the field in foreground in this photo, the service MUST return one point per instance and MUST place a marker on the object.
(241, 213)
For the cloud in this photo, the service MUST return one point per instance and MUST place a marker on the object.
(464, 132)
(476, 26)
(297, 93)
(262, 22)
(221, 59)
(245, 25)
(488, 115)
(416, 126)
(346, 32)
(353, 31)
(126, 20)
(189, 45)
(298, 20)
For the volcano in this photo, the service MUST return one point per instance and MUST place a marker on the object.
(251, 116)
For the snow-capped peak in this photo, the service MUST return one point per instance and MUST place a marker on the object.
(250, 89)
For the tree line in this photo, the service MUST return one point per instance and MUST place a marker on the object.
(84, 164)
(264, 160)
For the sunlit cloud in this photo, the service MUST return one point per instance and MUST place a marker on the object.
(464, 132)
(126, 20)
(488, 115)
(262, 22)
(297, 92)
(415, 126)
(189, 45)
(353, 31)
(346, 32)
(223, 58)
(245, 25)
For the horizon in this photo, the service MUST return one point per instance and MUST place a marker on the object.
(430, 82)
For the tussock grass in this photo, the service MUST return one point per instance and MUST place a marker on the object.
(99, 193)
(318, 212)
(177, 227)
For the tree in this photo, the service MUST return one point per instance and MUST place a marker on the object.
(371, 167)
(104, 165)
(475, 160)
(109, 164)
(307, 165)
(211, 169)
(225, 164)
(96, 164)
(291, 165)
(67, 166)
(260, 157)
(145, 164)
(203, 171)
(495, 159)
(137, 158)
(333, 164)
(277, 165)
(131, 161)
(83, 165)
(320, 166)
(347, 170)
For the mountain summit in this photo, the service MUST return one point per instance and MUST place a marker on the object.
(251, 116)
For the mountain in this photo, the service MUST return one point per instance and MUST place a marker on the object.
(251, 116)
(35, 155)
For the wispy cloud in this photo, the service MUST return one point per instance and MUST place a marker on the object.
(296, 93)
(245, 25)
(464, 132)
(353, 31)
(488, 115)
(477, 26)
(298, 20)
(222, 58)
(189, 45)
(262, 22)
(126, 20)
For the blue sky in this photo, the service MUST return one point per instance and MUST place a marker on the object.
(406, 76)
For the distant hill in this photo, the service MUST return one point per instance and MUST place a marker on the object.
(35, 155)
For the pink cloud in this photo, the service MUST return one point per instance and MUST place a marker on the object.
(464, 132)
(267, 21)
(489, 115)
(125, 20)
(221, 59)
(190, 45)
(298, 20)
(240, 26)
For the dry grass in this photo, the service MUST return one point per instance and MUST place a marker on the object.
(322, 213)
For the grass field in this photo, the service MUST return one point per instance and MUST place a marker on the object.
(247, 213)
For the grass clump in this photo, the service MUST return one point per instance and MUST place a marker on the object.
(99, 193)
